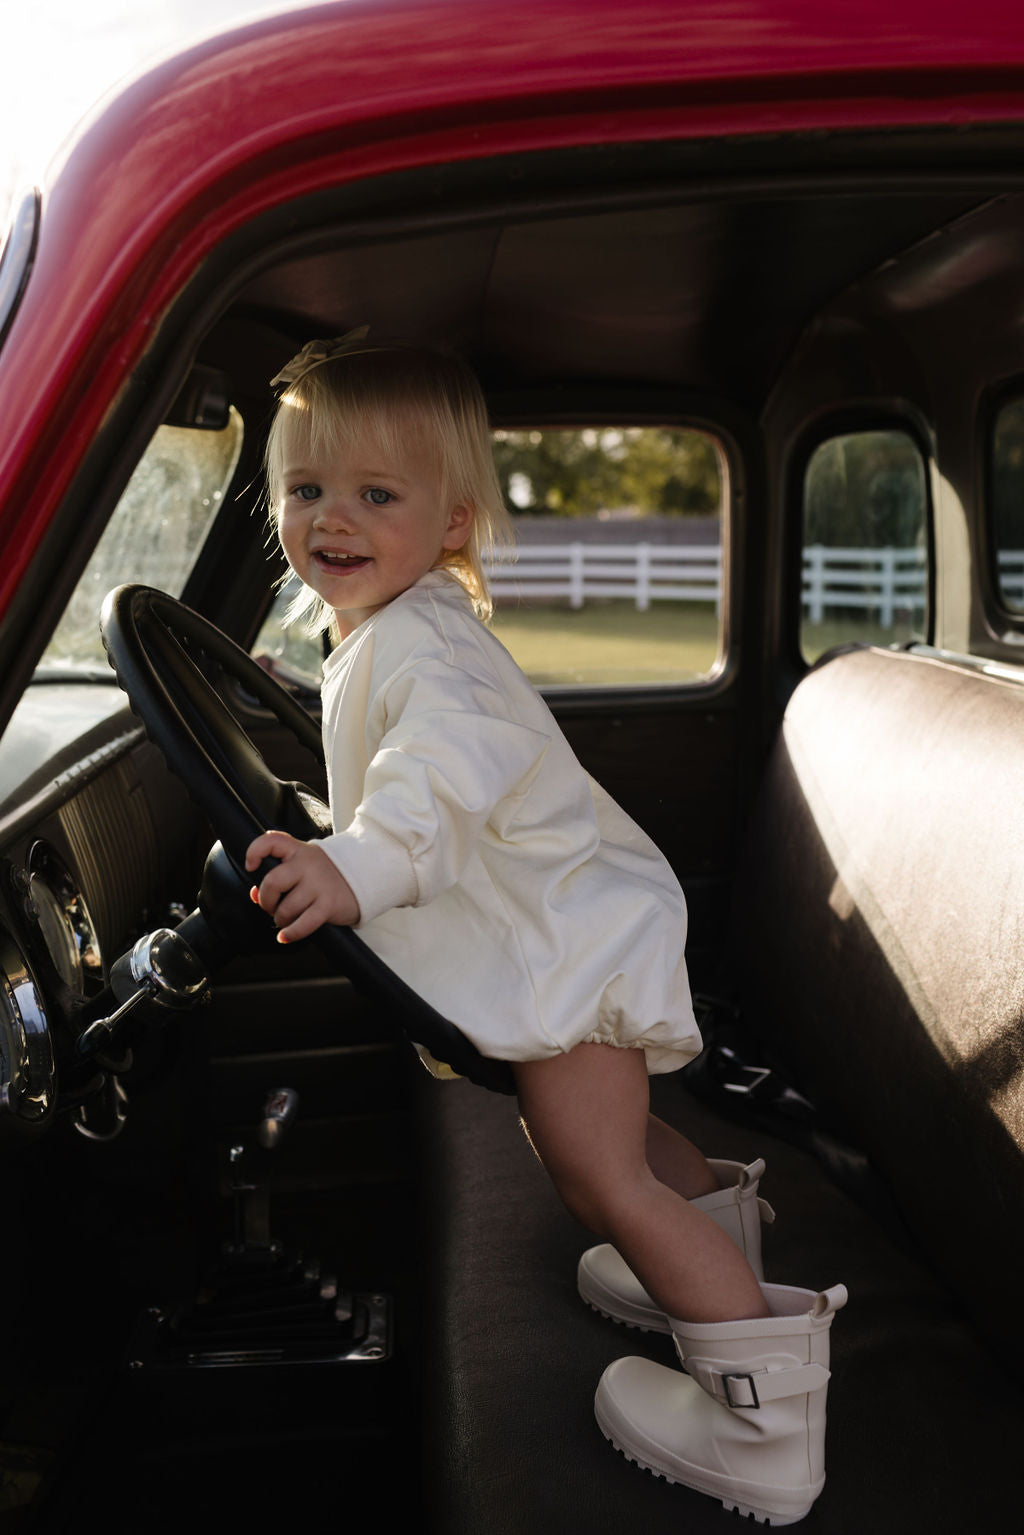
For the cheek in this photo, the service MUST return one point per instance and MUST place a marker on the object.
(289, 534)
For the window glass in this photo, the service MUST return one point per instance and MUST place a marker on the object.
(865, 560)
(153, 537)
(616, 577)
(293, 652)
(1008, 502)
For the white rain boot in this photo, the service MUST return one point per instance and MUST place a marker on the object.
(606, 1282)
(746, 1424)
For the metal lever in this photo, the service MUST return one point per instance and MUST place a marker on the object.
(253, 1243)
(99, 1034)
(161, 968)
(278, 1112)
(251, 1201)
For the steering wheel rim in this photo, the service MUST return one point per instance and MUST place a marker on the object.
(154, 644)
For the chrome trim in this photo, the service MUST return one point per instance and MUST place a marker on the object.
(163, 962)
(28, 1073)
(49, 878)
(17, 255)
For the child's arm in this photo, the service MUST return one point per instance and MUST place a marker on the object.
(304, 891)
(446, 772)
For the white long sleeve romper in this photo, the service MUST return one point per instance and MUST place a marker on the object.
(492, 874)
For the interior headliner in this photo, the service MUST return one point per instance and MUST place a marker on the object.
(707, 296)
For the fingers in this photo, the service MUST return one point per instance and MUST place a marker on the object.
(303, 890)
(307, 922)
(286, 894)
(274, 889)
(271, 844)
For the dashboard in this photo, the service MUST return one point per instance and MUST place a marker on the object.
(98, 844)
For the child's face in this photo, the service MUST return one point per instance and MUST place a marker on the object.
(360, 530)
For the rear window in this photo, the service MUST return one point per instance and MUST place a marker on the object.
(865, 542)
(1007, 502)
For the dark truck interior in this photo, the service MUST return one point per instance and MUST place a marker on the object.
(222, 1307)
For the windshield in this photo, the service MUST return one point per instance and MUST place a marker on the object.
(153, 537)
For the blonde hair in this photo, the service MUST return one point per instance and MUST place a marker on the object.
(395, 397)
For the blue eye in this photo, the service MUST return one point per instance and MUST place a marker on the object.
(306, 492)
(378, 497)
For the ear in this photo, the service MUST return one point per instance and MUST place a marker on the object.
(460, 526)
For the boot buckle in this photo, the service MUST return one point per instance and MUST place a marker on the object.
(730, 1400)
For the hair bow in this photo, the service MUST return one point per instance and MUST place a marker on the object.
(316, 352)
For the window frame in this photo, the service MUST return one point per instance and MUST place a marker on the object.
(849, 420)
(639, 407)
(1004, 622)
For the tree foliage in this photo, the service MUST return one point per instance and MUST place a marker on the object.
(1008, 477)
(649, 471)
(865, 490)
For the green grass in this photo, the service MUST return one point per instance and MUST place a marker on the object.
(605, 643)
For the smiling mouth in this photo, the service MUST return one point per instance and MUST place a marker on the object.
(339, 562)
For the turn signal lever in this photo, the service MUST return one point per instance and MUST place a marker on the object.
(161, 969)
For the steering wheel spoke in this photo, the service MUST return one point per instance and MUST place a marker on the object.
(224, 742)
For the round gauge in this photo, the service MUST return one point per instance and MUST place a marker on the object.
(28, 1078)
(64, 922)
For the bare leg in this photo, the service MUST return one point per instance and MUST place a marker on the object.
(587, 1116)
(675, 1161)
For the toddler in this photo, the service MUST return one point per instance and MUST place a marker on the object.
(487, 869)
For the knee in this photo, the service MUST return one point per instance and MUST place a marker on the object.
(584, 1204)
(591, 1197)
(578, 1188)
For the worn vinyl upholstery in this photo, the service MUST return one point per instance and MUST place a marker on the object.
(881, 928)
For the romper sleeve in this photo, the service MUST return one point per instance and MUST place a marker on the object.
(450, 761)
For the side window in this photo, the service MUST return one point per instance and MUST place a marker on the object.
(865, 542)
(617, 575)
(294, 655)
(1007, 491)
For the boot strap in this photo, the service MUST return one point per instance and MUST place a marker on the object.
(738, 1388)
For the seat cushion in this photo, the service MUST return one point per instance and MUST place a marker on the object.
(512, 1357)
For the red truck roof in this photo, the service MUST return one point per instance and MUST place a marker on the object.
(290, 104)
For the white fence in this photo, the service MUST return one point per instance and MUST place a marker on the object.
(885, 580)
(642, 572)
(1011, 576)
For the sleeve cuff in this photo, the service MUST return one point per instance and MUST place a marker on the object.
(377, 867)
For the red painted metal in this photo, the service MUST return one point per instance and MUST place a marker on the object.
(291, 104)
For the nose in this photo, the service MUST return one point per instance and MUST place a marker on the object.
(333, 515)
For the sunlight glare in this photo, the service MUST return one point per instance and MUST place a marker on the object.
(62, 56)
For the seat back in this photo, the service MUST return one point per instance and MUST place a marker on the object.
(880, 943)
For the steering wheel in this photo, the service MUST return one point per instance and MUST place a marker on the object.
(165, 655)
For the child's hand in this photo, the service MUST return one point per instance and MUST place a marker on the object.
(304, 891)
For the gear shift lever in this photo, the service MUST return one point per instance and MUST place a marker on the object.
(252, 1243)
(278, 1112)
(261, 1305)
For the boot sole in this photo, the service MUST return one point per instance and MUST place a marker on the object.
(622, 1321)
(745, 1510)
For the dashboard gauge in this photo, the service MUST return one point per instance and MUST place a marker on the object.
(28, 1078)
(64, 922)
